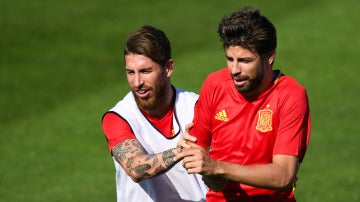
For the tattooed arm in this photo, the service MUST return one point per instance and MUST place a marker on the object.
(138, 164)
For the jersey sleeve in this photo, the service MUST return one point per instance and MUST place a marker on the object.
(294, 128)
(116, 129)
(202, 116)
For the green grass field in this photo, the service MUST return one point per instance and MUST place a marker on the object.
(61, 68)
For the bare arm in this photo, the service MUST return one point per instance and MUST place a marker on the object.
(138, 164)
(279, 174)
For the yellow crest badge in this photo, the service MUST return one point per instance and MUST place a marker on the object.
(264, 123)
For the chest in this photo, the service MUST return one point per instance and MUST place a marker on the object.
(242, 126)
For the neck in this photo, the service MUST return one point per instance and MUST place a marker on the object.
(265, 83)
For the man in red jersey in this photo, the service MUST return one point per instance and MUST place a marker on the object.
(252, 122)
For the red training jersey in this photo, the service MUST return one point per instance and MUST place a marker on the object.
(251, 132)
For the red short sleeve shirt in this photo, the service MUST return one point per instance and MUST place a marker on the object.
(248, 133)
(117, 129)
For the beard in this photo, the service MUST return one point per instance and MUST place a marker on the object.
(156, 98)
(252, 82)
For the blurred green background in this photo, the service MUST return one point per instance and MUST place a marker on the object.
(61, 68)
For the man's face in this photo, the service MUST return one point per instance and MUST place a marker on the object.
(147, 81)
(246, 69)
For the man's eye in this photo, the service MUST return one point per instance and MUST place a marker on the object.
(146, 72)
(230, 59)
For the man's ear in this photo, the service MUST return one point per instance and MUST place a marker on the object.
(271, 58)
(169, 66)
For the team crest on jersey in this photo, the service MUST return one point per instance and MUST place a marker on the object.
(264, 123)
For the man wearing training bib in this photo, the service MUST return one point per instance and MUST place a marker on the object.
(142, 129)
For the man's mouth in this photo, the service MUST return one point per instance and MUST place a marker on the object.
(142, 93)
(239, 80)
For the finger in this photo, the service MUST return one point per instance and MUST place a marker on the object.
(185, 153)
(179, 156)
(192, 170)
(192, 166)
(182, 143)
(188, 161)
(188, 126)
(185, 144)
(189, 137)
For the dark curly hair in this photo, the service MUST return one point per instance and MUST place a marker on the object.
(248, 29)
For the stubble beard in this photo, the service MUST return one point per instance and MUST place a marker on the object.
(156, 99)
(252, 83)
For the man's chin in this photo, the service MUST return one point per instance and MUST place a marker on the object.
(144, 104)
(242, 89)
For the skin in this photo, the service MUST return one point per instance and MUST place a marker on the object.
(251, 75)
(138, 164)
(150, 84)
(151, 87)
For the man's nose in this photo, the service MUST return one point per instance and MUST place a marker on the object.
(235, 68)
(138, 81)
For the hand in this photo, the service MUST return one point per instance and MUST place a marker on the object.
(186, 140)
(215, 182)
(197, 160)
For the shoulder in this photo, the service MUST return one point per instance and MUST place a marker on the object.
(184, 97)
(221, 75)
(291, 91)
(186, 94)
(287, 83)
(126, 103)
(126, 108)
(217, 78)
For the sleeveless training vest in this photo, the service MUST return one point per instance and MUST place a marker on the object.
(175, 185)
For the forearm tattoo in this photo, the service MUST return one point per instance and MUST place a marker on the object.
(168, 157)
(124, 154)
(128, 152)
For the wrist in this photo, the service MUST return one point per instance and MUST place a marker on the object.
(218, 168)
(177, 150)
(168, 157)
